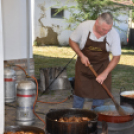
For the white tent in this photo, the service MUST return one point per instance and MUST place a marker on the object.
(15, 38)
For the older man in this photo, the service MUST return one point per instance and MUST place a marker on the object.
(93, 41)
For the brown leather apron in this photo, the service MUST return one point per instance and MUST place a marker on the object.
(85, 82)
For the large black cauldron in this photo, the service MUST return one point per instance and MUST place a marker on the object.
(55, 127)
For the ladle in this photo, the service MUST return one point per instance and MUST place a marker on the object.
(117, 106)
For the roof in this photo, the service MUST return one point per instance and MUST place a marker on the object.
(124, 2)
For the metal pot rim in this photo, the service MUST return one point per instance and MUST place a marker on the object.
(112, 108)
(24, 128)
(114, 118)
(126, 93)
(73, 109)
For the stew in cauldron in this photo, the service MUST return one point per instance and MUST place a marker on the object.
(23, 130)
(20, 132)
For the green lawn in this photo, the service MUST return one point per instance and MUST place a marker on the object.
(53, 56)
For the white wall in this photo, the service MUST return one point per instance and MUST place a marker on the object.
(63, 35)
(15, 29)
(1, 76)
(123, 27)
(13, 40)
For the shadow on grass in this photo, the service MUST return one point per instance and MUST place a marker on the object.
(127, 47)
(128, 53)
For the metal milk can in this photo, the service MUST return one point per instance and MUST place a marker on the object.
(9, 84)
(26, 93)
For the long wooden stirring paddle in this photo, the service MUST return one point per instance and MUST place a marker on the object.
(118, 107)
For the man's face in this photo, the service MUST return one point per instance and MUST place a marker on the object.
(102, 28)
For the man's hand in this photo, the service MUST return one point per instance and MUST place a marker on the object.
(84, 60)
(101, 78)
(76, 48)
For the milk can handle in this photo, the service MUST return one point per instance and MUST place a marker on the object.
(124, 89)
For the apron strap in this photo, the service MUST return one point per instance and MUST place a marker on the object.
(89, 34)
(107, 43)
(105, 40)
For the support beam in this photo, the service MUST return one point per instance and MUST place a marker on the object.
(1, 75)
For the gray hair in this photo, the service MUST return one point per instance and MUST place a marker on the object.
(107, 17)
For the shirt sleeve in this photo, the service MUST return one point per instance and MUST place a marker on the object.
(115, 46)
(76, 35)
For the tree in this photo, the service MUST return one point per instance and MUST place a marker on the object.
(90, 9)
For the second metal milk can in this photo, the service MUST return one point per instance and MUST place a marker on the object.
(9, 84)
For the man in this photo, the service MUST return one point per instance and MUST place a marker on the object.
(93, 41)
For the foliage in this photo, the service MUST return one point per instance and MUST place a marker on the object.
(89, 10)
(132, 15)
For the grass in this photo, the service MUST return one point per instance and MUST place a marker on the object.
(54, 56)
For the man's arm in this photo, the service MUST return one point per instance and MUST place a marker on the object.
(101, 77)
(76, 48)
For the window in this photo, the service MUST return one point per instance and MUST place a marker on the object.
(58, 15)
